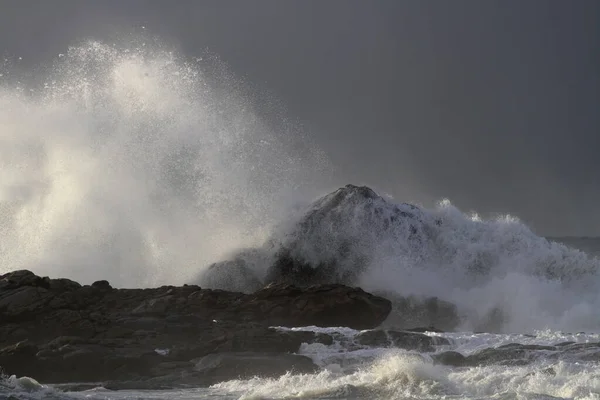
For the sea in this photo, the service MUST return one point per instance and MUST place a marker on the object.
(131, 163)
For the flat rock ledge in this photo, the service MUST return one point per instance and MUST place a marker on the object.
(59, 331)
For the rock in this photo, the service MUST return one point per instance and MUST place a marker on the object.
(101, 285)
(403, 340)
(21, 278)
(510, 354)
(518, 346)
(451, 358)
(19, 357)
(226, 366)
(325, 306)
(422, 329)
(237, 274)
(96, 333)
(562, 344)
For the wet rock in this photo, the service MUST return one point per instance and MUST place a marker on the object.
(451, 358)
(512, 346)
(425, 329)
(411, 311)
(101, 285)
(237, 274)
(562, 344)
(96, 333)
(19, 357)
(323, 305)
(510, 354)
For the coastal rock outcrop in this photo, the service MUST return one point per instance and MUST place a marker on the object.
(60, 331)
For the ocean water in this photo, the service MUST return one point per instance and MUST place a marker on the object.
(130, 163)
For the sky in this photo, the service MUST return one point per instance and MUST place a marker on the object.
(494, 105)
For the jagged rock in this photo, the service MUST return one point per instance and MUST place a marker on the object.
(411, 311)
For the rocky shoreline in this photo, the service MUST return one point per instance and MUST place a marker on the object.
(77, 337)
(58, 331)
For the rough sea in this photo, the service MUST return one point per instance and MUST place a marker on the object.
(131, 164)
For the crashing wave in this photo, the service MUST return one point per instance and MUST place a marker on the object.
(498, 273)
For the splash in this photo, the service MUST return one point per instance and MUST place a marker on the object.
(133, 164)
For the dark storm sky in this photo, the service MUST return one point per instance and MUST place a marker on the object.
(493, 104)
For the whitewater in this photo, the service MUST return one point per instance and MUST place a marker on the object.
(134, 164)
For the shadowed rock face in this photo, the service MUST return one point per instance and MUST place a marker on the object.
(60, 331)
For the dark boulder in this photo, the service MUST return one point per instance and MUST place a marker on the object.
(451, 358)
(412, 311)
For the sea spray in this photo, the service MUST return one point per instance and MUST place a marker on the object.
(133, 164)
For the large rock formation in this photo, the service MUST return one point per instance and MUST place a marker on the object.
(57, 330)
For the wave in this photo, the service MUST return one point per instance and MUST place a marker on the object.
(499, 274)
